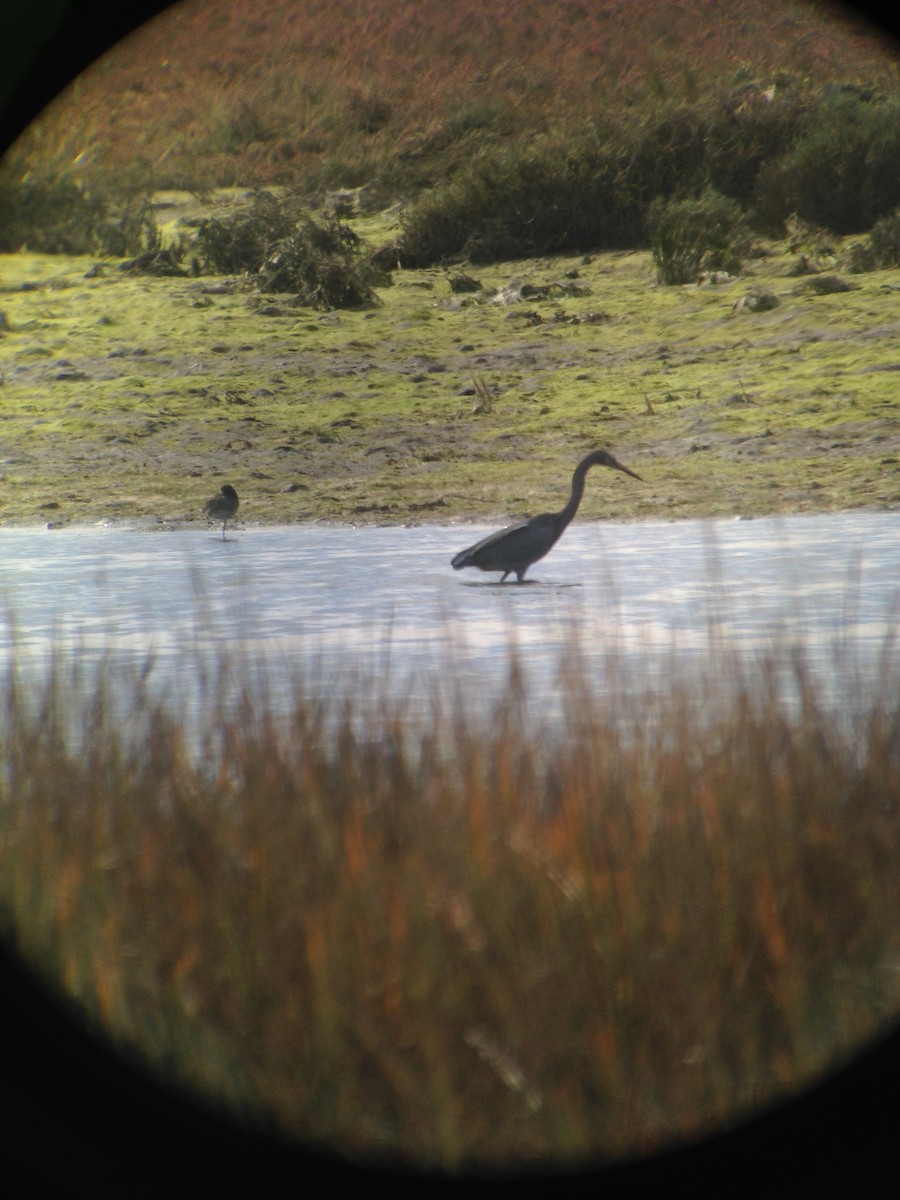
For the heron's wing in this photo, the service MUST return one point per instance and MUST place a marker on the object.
(524, 542)
(499, 535)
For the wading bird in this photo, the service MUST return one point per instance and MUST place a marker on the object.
(514, 549)
(222, 507)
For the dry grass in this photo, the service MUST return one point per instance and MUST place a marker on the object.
(274, 90)
(412, 935)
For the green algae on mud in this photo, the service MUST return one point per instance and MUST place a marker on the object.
(126, 396)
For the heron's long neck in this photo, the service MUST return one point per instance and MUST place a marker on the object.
(577, 492)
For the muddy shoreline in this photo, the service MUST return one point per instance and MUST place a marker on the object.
(133, 397)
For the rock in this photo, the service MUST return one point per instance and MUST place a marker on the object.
(756, 300)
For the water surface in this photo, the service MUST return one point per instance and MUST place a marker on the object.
(357, 604)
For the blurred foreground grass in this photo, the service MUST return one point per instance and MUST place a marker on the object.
(414, 935)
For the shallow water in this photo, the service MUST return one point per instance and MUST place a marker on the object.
(381, 608)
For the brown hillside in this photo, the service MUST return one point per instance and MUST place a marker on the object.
(274, 90)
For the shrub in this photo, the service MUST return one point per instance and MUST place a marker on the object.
(57, 214)
(592, 190)
(691, 236)
(320, 262)
(841, 172)
(287, 251)
(524, 200)
(240, 242)
(882, 247)
(663, 155)
(746, 129)
(831, 160)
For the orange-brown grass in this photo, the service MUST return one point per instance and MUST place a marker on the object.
(461, 941)
(279, 91)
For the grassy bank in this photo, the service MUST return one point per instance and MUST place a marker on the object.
(477, 136)
(403, 935)
(133, 396)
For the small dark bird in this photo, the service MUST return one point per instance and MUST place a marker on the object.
(222, 507)
(514, 549)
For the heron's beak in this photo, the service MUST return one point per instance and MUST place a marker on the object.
(628, 471)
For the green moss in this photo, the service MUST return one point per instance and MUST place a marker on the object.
(165, 387)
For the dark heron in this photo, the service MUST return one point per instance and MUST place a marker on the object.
(222, 507)
(514, 549)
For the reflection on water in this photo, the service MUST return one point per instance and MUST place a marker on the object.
(355, 604)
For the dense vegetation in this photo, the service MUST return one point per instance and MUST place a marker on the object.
(320, 262)
(360, 925)
(831, 159)
(504, 133)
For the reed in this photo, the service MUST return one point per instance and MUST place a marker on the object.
(458, 942)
